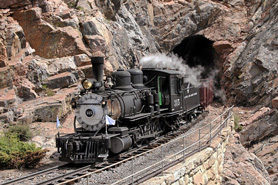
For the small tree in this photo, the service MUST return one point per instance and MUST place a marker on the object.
(22, 131)
(17, 154)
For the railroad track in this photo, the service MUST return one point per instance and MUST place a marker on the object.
(34, 175)
(127, 156)
(69, 176)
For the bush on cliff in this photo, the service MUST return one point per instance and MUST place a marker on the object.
(237, 127)
(17, 154)
(22, 131)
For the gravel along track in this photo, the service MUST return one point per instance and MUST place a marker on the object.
(112, 175)
(43, 175)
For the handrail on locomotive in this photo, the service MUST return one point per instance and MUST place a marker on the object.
(145, 104)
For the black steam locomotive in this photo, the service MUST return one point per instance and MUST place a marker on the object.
(145, 104)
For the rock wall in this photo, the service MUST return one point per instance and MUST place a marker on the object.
(252, 73)
(259, 135)
(204, 167)
(243, 167)
(225, 161)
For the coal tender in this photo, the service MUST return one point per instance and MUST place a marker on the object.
(144, 104)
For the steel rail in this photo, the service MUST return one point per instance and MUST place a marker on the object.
(149, 175)
(77, 171)
(32, 175)
(124, 160)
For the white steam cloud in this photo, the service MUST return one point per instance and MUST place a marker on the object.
(161, 60)
(171, 61)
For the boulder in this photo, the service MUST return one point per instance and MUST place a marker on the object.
(7, 98)
(260, 129)
(7, 117)
(48, 41)
(15, 39)
(268, 153)
(62, 80)
(57, 65)
(94, 38)
(84, 5)
(26, 91)
(12, 40)
(6, 78)
(97, 44)
(82, 60)
(87, 71)
(46, 109)
(36, 73)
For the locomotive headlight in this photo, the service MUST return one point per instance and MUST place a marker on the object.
(87, 84)
(103, 103)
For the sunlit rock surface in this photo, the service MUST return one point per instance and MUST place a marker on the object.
(46, 45)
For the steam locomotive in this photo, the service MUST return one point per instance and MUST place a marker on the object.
(145, 105)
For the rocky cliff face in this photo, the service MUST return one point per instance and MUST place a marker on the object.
(46, 45)
(255, 70)
(242, 167)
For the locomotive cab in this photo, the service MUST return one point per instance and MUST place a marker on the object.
(167, 85)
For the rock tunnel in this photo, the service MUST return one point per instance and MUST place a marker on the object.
(197, 50)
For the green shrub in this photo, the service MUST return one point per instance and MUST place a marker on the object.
(80, 8)
(238, 127)
(49, 92)
(17, 154)
(22, 131)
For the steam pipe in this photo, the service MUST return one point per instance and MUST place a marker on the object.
(97, 66)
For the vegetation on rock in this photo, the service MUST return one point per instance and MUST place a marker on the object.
(15, 153)
(48, 92)
(238, 127)
(21, 131)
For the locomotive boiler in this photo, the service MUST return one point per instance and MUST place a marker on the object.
(145, 104)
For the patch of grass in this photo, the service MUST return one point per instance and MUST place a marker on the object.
(49, 92)
(80, 8)
(272, 153)
(238, 127)
(17, 154)
(21, 131)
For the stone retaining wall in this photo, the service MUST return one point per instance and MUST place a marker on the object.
(204, 167)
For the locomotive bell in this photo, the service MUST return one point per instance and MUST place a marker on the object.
(109, 82)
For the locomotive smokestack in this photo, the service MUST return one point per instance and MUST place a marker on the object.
(97, 66)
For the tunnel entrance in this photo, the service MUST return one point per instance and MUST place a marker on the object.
(197, 50)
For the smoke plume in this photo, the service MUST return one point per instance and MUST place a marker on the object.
(192, 74)
(162, 61)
